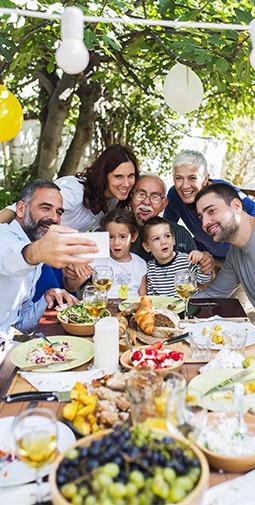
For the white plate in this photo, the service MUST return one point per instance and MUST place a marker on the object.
(217, 401)
(17, 472)
(159, 302)
(226, 325)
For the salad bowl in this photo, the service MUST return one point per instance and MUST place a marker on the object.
(76, 321)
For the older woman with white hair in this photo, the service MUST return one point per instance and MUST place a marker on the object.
(190, 174)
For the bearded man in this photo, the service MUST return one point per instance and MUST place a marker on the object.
(221, 211)
(29, 241)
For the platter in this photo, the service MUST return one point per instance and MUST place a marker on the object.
(82, 351)
(197, 328)
(222, 400)
(159, 302)
(17, 472)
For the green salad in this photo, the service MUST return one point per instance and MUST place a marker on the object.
(78, 314)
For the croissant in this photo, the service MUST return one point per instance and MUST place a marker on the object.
(145, 315)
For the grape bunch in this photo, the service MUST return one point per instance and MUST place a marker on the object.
(128, 467)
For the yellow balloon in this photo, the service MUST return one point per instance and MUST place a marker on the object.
(11, 115)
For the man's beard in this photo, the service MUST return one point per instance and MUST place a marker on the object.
(32, 228)
(225, 233)
(140, 221)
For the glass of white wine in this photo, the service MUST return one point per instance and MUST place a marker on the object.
(185, 286)
(94, 301)
(35, 433)
(102, 277)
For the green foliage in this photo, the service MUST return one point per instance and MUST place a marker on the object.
(130, 63)
(12, 184)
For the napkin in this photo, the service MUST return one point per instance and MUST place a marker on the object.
(24, 495)
(238, 491)
(60, 381)
(224, 359)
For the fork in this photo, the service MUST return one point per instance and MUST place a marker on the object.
(192, 268)
(239, 391)
(128, 340)
(40, 334)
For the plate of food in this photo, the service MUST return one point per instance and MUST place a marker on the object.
(218, 327)
(76, 320)
(97, 405)
(224, 399)
(14, 472)
(159, 302)
(65, 353)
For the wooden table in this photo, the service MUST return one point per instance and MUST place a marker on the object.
(11, 382)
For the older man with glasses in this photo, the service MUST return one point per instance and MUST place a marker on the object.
(148, 199)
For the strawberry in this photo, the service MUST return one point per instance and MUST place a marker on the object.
(137, 355)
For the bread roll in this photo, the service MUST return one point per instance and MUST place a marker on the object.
(145, 315)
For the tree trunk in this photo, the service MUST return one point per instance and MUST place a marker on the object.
(89, 95)
(58, 108)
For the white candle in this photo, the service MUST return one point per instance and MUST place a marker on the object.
(106, 344)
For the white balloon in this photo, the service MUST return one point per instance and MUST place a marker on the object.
(183, 90)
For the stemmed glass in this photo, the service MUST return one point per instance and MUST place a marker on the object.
(102, 277)
(94, 301)
(35, 433)
(185, 286)
(186, 415)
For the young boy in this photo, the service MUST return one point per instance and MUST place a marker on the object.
(158, 238)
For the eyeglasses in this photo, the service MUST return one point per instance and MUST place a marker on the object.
(141, 195)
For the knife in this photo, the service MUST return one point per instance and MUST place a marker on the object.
(49, 396)
(233, 379)
(203, 304)
(176, 339)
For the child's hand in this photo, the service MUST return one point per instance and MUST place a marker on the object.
(195, 257)
(83, 273)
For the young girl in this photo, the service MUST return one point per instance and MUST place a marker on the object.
(129, 269)
(158, 238)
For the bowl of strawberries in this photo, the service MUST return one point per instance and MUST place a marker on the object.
(162, 359)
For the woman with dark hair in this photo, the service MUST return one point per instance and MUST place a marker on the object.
(91, 194)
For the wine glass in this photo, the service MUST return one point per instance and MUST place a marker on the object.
(94, 301)
(102, 277)
(185, 286)
(186, 415)
(35, 433)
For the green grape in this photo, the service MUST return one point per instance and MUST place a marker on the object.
(117, 490)
(77, 500)
(83, 491)
(159, 486)
(137, 478)
(103, 479)
(111, 469)
(185, 481)
(69, 490)
(105, 501)
(169, 474)
(91, 500)
(194, 473)
(176, 494)
(131, 489)
(72, 454)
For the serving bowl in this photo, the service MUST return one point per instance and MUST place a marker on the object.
(234, 463)
(58, 478)
(126, 362)
(80, 329)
